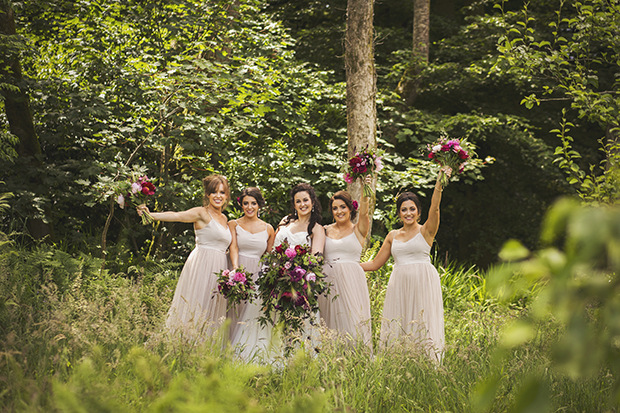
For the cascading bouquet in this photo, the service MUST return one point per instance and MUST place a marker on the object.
(450, 153)
(236, 286)
(289, 285)
(133, 191)
(364, 162)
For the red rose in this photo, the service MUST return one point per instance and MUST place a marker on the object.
(463, 155)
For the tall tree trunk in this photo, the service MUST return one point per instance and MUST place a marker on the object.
(408, 86)
(17, 107)
(361, 83)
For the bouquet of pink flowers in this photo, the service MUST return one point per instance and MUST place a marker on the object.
(135, 191)
(289, 285)
(361, 164)
(449, 153)
(236, 286)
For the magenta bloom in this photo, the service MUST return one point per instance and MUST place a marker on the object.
(348, 178)
(355, 205)
(290, 252)
(310, 276)
(297, 274)
(239, 277)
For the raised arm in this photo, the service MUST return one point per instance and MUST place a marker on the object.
(363, 221)
(431, 226)
(233, 249)
(382, 256)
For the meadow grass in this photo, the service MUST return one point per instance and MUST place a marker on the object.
(76, 340)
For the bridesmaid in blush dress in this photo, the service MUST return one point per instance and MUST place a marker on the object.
(303, 225)
(413, 306)
(251, 237)
(196, 312)
(347, 309)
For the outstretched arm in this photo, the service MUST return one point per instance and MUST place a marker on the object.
(191, 215)
(382, 256)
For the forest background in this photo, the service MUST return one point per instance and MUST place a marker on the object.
(256, 91)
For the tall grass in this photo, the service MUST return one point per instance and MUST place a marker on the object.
(75, 340)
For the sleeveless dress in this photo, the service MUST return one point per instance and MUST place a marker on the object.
(298, 238)
(349, 312)
(197, 310)
(413, 303)
(261, 343)
(246, 333)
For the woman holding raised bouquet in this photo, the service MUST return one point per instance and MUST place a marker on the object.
(360, 165)
(413, 306)
(452, 155)
(195, 311)
(251, 237)
(347, 308)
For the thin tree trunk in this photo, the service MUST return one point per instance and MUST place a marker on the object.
(361, 83)
(408, 86)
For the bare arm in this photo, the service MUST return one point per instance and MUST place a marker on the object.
(318, 239)
(194, 215)
(272, 237)
(382, 256)
(431, 226)
(363, 222)
(233, 249)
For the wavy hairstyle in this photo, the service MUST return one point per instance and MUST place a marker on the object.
(254, 193)
(345, 197)
(409, 196)
(315, 215)
(211, 183)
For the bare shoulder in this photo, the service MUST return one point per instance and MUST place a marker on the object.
(318, 229)
(232, 223)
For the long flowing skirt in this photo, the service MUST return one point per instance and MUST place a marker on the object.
(197, 311)
(253, 340)
(347, 309)
(413, 308)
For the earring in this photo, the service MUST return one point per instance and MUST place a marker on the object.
(313, 209)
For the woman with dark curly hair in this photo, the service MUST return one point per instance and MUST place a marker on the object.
(303, 224)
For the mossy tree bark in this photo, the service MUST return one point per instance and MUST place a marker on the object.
(361, 83)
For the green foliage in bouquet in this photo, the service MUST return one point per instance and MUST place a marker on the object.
(290, 283)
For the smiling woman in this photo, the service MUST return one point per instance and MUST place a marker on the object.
(196, 312)
(413, 309)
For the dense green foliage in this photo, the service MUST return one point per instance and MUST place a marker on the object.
(186, 88)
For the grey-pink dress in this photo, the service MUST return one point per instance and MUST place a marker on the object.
(413, 303)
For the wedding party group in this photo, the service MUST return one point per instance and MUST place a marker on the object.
(413, 308)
